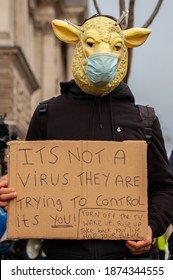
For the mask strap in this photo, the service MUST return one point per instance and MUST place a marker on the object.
(83, 50)
(81, 64)
(125, 52)
(84, 55)
(74, 25)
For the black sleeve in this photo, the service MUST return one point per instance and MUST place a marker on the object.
(160, 184)
(35, 129)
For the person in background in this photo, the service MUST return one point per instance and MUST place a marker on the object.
(3, 220)
(160, 246)
(170, 244)
(170, 239)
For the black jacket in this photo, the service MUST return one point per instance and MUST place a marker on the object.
(171, 160)
(75, 115)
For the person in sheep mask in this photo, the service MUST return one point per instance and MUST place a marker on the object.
(98, 105)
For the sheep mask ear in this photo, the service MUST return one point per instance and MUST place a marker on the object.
(136, 36)
(66, 32)
(70, 33)
(74, 34)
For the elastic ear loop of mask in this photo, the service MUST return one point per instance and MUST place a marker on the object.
(124, 47)
(84, 55)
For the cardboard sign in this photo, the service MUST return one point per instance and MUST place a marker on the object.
(78, 190)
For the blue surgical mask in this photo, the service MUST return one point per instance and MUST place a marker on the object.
(101, 68)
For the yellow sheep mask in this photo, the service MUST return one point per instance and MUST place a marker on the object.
(99, 36)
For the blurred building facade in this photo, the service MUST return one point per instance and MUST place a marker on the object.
(32, 60)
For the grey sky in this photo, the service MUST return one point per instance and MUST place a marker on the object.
(152, 74)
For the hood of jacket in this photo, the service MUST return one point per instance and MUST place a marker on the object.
(121, 92)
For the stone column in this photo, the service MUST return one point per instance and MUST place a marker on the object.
(48, 62)
(6, 22)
